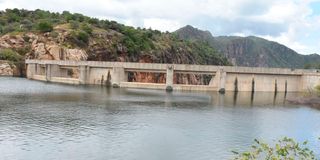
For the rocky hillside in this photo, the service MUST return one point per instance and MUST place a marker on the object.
(54, 36)
(6, 69)
(250, 51)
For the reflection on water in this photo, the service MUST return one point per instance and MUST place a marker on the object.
(250, 98)
(50, 121)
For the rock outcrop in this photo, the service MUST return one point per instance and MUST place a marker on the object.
(37, 46)
(6, 69)
(45, 51)
(42, 47)
(12, 41)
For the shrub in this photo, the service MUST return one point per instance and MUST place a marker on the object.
(318, 89)
(286, 149)
(54, 34)
(93, 21)
(74, 24)
(78, 17)
(2, 22)
(137, 41)
(12, 17)
(10, 55)
(44, 27)
(27, 24)
(24, 50)
(9, 28)
(86, 28)
(307, 66)
(81, 38)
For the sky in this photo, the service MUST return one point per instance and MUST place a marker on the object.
(294, 23)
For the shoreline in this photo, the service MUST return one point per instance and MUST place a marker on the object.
(313, 101)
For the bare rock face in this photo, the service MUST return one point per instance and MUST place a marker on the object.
(43, 47)
(74, 54)
(6, 69)
(40, 52)
(55, 51)
(11, 41)
(47, 51)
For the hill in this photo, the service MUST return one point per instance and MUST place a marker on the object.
(101, 40)
(65, 36)
(250, 51)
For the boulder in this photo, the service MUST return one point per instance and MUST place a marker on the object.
(52, 51)
(55, 51)
(5, 69)
(9, 41)
(39, 49)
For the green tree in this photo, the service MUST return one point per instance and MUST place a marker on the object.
(67, 15)
(12, 17)
(94, 21)
(79, 17)
(45, 26)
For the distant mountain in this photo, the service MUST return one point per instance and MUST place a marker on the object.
(190, 33)
(250, 51)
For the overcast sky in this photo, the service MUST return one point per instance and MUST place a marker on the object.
(295, 23)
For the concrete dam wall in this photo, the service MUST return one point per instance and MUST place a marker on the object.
(223, 78)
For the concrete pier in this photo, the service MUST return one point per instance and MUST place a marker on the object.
(169, 78)
(224, 78)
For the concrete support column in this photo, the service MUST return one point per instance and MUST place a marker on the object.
(42, 69)
(31, 70)
(223, 82)
(219, 80)
(48, 72)
(38, 69)
(88, 75)
(118, 75)
(83, 74)
(169, 77)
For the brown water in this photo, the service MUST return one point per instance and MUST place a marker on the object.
(51, 121)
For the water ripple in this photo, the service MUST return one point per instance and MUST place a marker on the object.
(49, 121)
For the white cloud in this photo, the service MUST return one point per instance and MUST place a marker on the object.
(286, 21)
(162, 24)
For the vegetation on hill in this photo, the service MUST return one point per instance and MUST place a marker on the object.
(10, 55)
(250, 51)
(313, 65)
(105, 40)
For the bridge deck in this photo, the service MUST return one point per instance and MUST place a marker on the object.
(178, 68)
(223, 78)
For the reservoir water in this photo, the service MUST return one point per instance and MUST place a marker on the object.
(63, 122)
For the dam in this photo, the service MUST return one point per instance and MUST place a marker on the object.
(223, 78)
